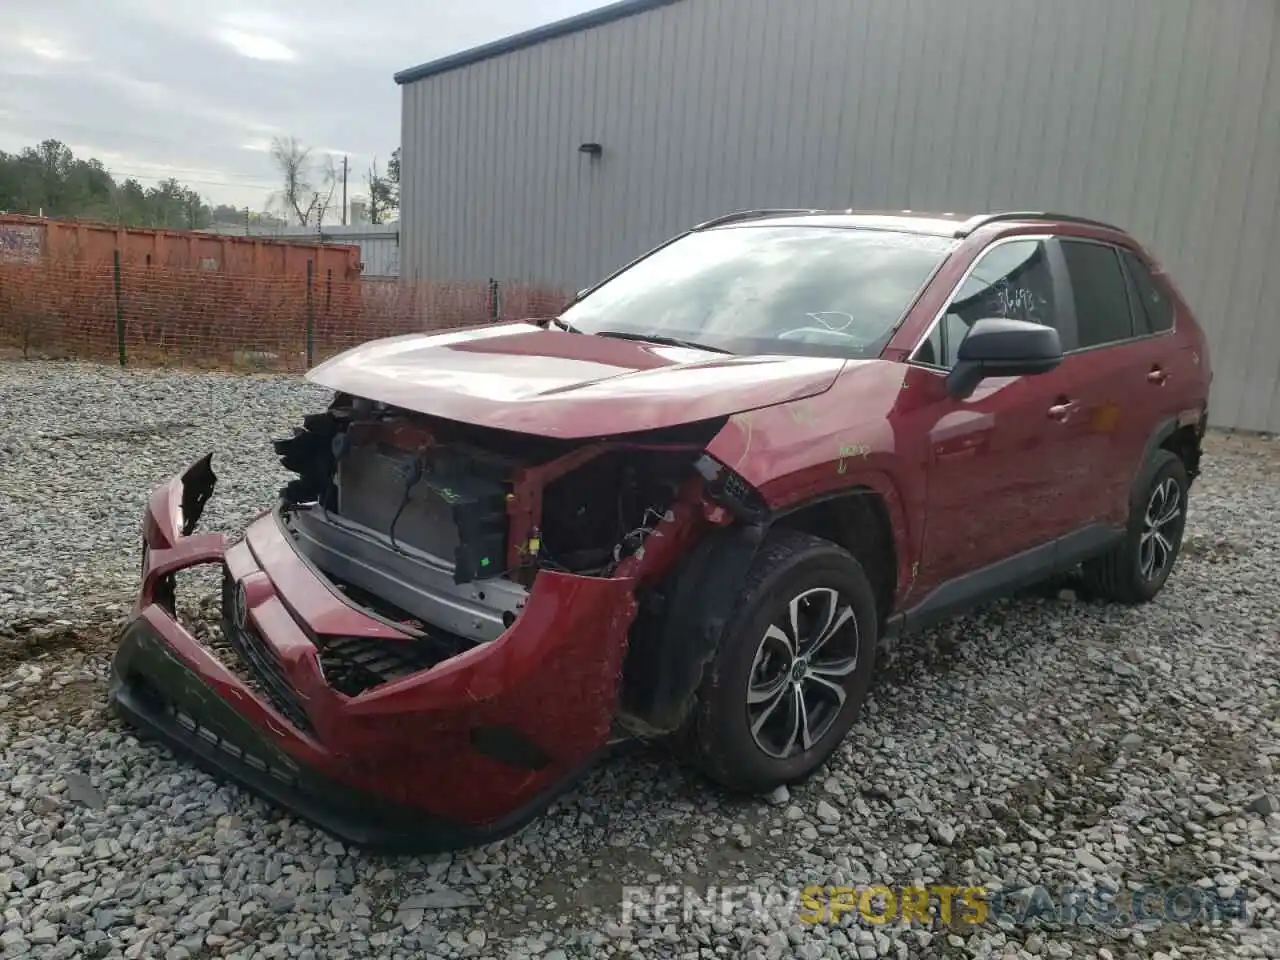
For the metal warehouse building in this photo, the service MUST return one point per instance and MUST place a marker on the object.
(559, 154)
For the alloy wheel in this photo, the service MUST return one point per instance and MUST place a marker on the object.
(795, 692)
(1160, 530)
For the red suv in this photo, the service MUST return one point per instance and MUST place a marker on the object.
(688, 506)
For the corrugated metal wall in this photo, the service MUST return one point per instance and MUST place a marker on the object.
(379, 243)
(1162, 115)
(379, 247)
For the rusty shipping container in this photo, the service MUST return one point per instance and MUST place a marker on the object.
(31, 239)
(175, 294)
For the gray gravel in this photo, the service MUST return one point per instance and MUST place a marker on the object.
(1043, 741)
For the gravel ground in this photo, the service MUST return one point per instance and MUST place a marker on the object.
(1044, 741)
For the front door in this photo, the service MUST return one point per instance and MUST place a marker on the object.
(999, 462)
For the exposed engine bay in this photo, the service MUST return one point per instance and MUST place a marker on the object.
(441, 527)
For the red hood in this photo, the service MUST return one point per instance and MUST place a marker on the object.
(516, 376)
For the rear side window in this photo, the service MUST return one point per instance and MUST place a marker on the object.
(1152, 311)
(1100, 293)
(1010, 280)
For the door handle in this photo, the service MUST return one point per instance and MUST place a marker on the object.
(1157, 377)
(1063, 410)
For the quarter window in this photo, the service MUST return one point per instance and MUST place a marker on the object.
(1099, 291)
(1011, 280)
(1152, 311)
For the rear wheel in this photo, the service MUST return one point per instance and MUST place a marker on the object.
(793, 666)
(1136, 570)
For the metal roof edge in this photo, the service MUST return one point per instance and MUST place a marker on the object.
(550, 31)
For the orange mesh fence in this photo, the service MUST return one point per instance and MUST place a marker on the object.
(151, 315)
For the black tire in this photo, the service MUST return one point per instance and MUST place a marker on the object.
(1123, 575)
(719, 739)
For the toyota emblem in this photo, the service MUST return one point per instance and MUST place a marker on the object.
(240, 608)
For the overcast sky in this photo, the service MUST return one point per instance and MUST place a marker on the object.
(196, 89)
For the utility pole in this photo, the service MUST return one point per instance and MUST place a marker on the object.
(344, 191)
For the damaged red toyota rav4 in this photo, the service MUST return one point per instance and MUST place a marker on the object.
(688, 507)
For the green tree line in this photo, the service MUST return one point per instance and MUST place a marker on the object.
(50, 180)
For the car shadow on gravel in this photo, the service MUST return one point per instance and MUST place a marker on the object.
(155, 431)
(49, 671)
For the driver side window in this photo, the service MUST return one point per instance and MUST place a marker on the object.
(1010, 280)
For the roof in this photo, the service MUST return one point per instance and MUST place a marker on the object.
(908, 221)
(560, 28)
(937, 226)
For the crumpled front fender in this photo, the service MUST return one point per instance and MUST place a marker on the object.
(168, 539)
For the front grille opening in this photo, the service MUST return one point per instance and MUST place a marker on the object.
(441, 642)
(249, 657)
(375, 604)
(353, 665)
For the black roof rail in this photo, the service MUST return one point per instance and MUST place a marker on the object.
(973, 223)
(744, 215)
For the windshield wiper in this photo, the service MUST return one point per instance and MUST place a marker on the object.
(563, 325)
(660, 339)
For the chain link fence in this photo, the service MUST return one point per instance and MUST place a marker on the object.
(144, 314)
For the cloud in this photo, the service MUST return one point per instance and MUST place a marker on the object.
(47, 48)
(256, 47)
(163, 88)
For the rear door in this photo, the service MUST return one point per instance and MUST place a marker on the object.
(1121, 367)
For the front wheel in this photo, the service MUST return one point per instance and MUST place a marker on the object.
(793, 667)
(1137, 568)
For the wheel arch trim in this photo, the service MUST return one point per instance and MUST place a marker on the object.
(665, 663)
(1155, 441)
(905, 540)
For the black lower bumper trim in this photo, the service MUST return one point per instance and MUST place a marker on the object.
(157, 693)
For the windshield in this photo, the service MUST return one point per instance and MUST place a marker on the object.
(806, 290)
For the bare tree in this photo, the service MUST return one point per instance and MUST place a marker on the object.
(328, 184)
(299, 196)
(383, 193)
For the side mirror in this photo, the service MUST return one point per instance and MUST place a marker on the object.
(999, 347)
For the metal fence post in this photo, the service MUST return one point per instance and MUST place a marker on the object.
(311, 313)
(119, 306)
(493, 299)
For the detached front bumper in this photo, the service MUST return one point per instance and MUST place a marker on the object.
(459, 754)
